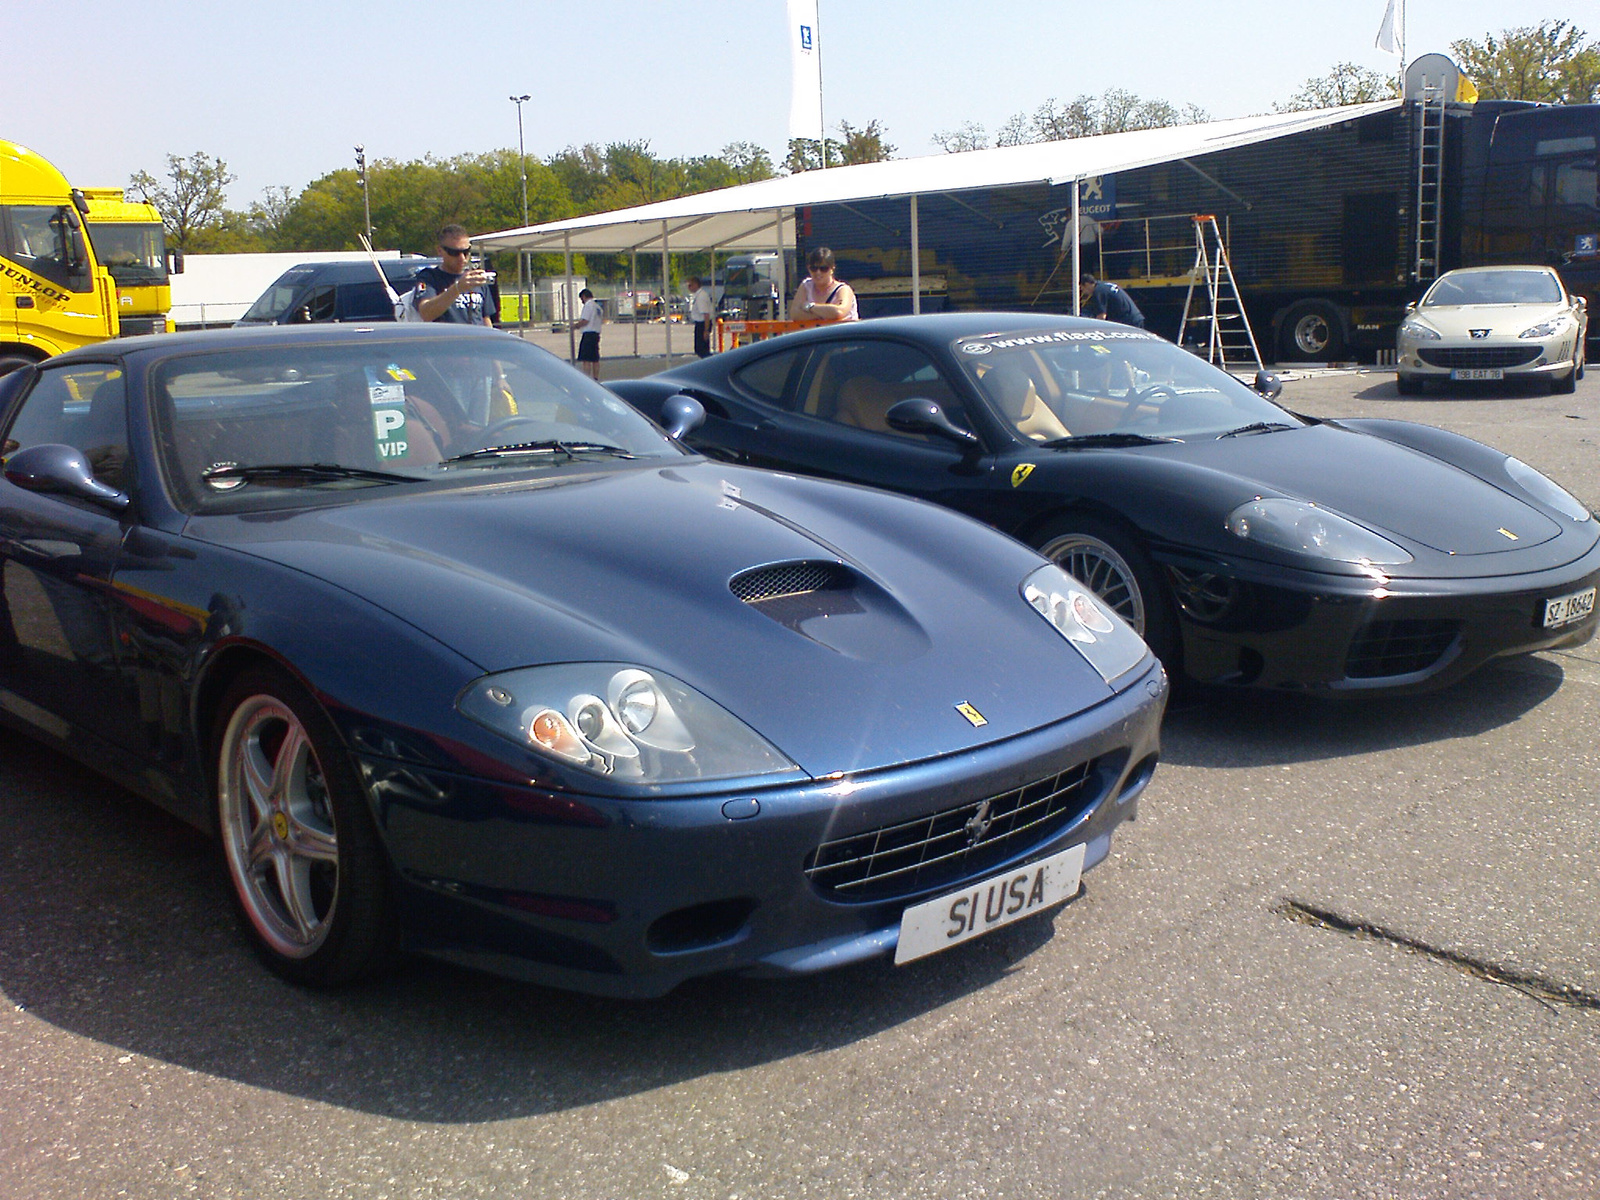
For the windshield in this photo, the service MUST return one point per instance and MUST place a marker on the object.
(136, 255)
(1494, 287)
(308, 422)
(1052, 385)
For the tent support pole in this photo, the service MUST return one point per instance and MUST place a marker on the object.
(666, 290)
(1077, 256)
(916, 260)
(566, 291)
(783, 266)
(633, 283)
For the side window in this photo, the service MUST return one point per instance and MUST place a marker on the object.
(770, 379)
(856, 383)
(36, 240)
(1575, 184)
(320, 306)
(84, 406)
(364, 302)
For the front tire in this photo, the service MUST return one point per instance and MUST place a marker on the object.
(1112, 564)
(298, 842)
(1409, 385)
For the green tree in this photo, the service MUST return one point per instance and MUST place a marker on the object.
(1117, 111)
(1552, 61)
(193, 200)
(1345, 84)
(863, 145)
(748, 162)
(969, 136)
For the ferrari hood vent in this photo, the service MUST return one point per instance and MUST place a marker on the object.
(790, 579)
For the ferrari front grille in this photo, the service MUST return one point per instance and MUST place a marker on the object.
(953, 844)
(1387, 648)
(1478, 357)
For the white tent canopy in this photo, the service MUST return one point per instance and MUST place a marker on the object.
(760, 216)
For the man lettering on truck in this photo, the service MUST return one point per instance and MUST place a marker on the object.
(456, 290)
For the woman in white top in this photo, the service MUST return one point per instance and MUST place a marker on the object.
(821, 297)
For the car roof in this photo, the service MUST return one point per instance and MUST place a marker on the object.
(255, 337)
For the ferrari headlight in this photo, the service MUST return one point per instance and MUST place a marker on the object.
(1105, 639)
(1303, 528)
(620, 721)
(1417, 330)
(1545, 491)
(1554, 327)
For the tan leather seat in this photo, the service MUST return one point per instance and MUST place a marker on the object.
(864, 402)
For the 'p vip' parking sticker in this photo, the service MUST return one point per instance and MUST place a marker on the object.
(388, 399)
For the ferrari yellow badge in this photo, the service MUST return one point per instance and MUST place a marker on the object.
(972, 714)
(1020, 472)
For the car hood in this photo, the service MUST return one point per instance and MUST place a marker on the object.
(633, 565)
(1502, 320)
(1387, 487)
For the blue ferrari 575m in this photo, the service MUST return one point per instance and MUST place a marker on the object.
(457, 653)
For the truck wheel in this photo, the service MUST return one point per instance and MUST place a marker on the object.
(11, 362)
(1311, 332)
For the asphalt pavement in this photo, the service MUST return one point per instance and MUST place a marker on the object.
(1346, 952)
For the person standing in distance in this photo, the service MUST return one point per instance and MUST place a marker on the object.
(1108, 302)
(455, 291)
(590, 318)
(820, 296)
(701, 314)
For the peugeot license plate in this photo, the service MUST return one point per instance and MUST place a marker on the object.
(1564, 610)
(936, 925)
(1477, 373)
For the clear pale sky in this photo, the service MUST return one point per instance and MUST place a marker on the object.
(283, 90)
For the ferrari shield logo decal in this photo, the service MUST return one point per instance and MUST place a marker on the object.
(977, 718)
(1020, 472)
(1508, 534)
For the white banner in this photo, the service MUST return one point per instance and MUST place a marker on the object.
(805, 72)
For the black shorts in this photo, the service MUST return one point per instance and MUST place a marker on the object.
(588, 347)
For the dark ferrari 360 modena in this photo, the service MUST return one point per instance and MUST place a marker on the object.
(456, 652)
(1251, 546)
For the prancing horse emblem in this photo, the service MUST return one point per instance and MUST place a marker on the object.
(978, 824)
(1479, 333)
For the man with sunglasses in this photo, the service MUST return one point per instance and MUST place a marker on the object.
(456, 290)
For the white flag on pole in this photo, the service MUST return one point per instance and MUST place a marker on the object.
(1390, 36)
(805, 70)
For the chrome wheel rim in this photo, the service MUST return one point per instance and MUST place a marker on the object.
(1311, 334)
(277, 827)
(1103, 571)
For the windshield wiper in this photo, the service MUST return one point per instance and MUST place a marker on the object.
(1257, 427)
(311, 472)
(1108, 439)
(570, 449)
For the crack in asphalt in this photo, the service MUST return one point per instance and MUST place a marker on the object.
(1547, 992)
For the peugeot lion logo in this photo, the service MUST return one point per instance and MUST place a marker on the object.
(1479, 333)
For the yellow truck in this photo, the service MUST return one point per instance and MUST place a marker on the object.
(54, 294)
(130, 242)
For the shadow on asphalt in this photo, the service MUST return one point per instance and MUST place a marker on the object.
(116, 926)
(1252, 729)
(1516, 389)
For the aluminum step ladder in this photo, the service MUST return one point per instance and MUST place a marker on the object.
(1213, 316)
(1430, 182)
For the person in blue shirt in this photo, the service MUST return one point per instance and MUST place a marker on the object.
(1105, 300)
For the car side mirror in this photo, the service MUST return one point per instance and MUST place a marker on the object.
(682, 414)
(61, 470)
(925, 416)
(1268, 385)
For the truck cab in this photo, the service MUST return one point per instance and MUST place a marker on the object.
(131, 243)
(54, 294)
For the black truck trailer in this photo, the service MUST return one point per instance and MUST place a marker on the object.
(1330, 232)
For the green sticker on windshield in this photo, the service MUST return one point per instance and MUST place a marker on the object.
(388, 414)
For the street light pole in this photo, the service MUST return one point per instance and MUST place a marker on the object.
(361, 174)
(522, 160)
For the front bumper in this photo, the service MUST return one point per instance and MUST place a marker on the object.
(632, 897)
(1298, 631)
(1514, 358)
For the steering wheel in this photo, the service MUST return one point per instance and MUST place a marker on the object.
(488, 434)
(1152, 398)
